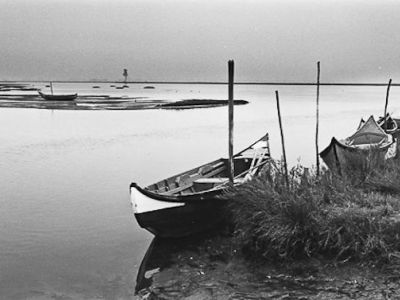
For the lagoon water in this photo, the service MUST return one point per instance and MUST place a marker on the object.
(66, 226)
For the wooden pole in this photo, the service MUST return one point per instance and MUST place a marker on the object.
(317, 120)
(386, 104)
(231, 67)
(51, 87)
(282, 138)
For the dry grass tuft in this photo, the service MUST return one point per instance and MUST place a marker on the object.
(353, 216)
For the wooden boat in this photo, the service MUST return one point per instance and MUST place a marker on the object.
(189, 202)
(369, 139)
(58, 97)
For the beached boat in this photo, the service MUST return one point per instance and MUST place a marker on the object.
(58, 97)
(369, 140)
(189, 202)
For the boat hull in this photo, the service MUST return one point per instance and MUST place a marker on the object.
(176, 216)
(181, 221)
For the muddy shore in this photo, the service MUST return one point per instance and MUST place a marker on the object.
(210, 267)
(102, 102)
(19, 95)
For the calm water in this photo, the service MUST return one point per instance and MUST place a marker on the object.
(66, 227)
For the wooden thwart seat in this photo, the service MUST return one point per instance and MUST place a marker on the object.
(216, 180)
(212, 170)
(212, 180)
(185, 181)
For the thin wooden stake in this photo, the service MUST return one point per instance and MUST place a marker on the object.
(282, 139)
(317, 120)
(386, 104)
(231, 68)
(51, 87)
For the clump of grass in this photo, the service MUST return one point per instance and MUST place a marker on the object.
(384, 178)
(342, 217)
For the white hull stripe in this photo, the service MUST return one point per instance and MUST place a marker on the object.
(142, 203)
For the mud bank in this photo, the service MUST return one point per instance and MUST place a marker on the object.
(104, 102)
(209, 267)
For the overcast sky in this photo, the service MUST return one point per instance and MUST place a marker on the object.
(191, 40)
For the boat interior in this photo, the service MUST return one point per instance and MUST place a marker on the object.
(214, 174)
(367, 138)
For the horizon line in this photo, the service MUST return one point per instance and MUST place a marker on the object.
(205, 82)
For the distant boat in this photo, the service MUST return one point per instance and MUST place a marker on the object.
(149, 87)
(369, 138)
(189, 202)
(58, 97)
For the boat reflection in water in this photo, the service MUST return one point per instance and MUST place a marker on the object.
(171, 266)
(149, 265)
(158, 257)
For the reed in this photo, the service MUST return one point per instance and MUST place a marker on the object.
(282, 137)
(333, 216)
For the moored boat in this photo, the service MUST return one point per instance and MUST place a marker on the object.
(369, 140)
(189, 202)
(58, 97)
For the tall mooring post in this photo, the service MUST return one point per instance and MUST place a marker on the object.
(317, 120)
(231, 67)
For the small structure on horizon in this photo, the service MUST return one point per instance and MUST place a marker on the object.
(125, 74)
